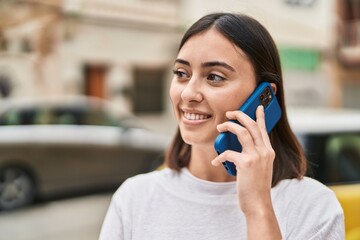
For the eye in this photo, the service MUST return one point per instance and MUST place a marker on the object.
(180, 74)
(215, 78)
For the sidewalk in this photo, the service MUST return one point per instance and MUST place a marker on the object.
(69, 219)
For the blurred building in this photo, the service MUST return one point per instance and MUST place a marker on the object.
(118, 50)
(346, 61)
(123, 50)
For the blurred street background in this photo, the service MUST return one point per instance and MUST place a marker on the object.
(84, 98)
(71, 219)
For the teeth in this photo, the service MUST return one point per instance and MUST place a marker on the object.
(193, 116)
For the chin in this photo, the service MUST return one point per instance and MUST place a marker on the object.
(188, 139)
(196, 139)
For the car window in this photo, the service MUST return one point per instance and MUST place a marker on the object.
(343, 155)
(69, 115)
(334, 158)
(44, 116)
(18, 117)
(82, 115)
(10, 118)
(97, 117)
(73, 115)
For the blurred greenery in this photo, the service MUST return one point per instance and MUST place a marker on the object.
(299, 58)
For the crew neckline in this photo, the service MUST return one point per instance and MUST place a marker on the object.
(207, 187)
(184, 185)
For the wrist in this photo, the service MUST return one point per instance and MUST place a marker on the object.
(262, 207)
(262, 224)
(259, 213)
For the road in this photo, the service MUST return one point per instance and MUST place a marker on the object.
(70, 219)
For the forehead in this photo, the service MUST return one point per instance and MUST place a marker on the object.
(211, 44)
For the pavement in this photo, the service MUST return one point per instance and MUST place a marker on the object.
(70, 219)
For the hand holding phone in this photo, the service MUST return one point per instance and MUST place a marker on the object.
(262, 95)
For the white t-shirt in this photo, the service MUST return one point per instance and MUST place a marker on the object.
(166, 205)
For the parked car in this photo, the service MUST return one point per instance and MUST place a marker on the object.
(51, 147)
(331, 139)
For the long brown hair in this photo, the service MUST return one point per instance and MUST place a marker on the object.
(251, 37)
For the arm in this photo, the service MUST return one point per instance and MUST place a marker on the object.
(263, 224)
(116, 223)
(112, 227)
(254, 173)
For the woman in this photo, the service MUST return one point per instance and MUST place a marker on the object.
(221, 60)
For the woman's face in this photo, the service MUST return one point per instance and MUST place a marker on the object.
(211, 76)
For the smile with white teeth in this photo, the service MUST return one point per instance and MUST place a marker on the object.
(195, 116)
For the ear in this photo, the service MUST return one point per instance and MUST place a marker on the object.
(274, 87)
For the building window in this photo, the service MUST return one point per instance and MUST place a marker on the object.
(95, 76)
(26, 46)
(148, 90)
(5, 86)
(3, 43)
(349, 33)
(349, 14)
(351, 89)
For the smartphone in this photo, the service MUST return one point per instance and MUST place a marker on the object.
(262, 95)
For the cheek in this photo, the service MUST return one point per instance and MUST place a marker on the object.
(174, 93)
(235, 102)
(231, 101)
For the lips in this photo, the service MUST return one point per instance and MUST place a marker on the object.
(195, 115)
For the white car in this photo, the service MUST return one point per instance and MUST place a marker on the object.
(52, 147)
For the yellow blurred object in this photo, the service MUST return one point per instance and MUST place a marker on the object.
(349, 197)
(353, 234)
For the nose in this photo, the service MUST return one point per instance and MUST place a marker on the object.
(192, 91)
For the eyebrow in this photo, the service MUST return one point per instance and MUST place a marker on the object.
(208, 64)
(218, 63)
(179, 60)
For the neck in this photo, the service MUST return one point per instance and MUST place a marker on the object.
(200, 165)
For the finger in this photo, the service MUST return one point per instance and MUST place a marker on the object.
(260, 120)
(249, 124)
(242, 134)
(228, 155)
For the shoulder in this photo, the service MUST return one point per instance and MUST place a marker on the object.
(307, 196)
(308, 203)
(303, 188)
